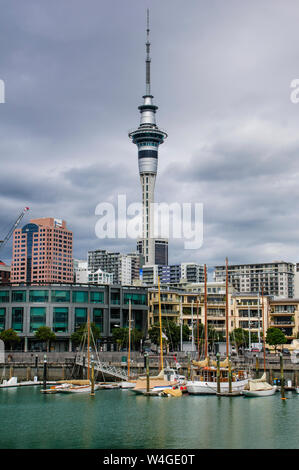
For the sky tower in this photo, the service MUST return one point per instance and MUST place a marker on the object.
(148, 137)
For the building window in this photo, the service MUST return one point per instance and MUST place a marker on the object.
(38, 296)
(80, 317)
(97, 297)
(17, 319)
(115, 299)
(60, 296)
(2, 318)
(4, 296)
(136, 299)
(60, 319)
(37, 318)
(80, 296)
(98, 318)
(18, 296)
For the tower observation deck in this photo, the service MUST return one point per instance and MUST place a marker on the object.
(148, 136)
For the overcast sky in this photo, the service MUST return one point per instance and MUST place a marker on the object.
(221, 72)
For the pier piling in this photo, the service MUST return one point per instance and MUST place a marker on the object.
(92, 378)
(45, 373)
(257, 366)
(281, 378)
(218, 372)
(147, 374)
(229, 375)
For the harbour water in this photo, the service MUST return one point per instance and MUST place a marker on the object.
(118, 419)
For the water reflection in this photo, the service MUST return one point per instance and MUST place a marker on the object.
(120, 419)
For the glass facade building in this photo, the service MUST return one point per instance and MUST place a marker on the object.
(64, 308)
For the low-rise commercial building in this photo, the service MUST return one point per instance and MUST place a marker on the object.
(64, 308)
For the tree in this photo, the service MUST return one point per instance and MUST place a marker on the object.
(274, 337)
(10, 337)
(240, 337)
(45, 334)
(121, 337)
(77, 336)
(172, 333)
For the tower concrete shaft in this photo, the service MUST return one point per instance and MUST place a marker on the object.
(148, 137)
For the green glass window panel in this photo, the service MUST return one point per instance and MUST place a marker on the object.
(4, 296)
(97, 297)
(60, 319)
(38, 296)
(2, 319)
(37, 318)
(98, 318)
(136, 299)
(18, 296)
(138, 320)
(80, 317)
(17, 319)
(80, 296)
(115, 299)
(61, 296)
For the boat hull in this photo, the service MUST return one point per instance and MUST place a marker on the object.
(210, 388)
(259, 393)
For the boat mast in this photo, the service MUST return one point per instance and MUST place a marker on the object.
(160, 321)
(197, 308)
(263, 327)
(88, 343)
(129, 347)
(206, 314)
(226, 307)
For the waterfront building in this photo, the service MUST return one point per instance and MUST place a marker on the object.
(276, 277)
(42, 252)
(284, 314)
(4, 273)
(100, 277)
(192, 272)
(148, 137)
(80, 271)
(246, 311)
(175, 274)
(64, 308)
(114, 263)
(137, 262)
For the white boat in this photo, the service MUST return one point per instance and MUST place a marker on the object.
(126, 385)
(210, 388)
(297, 389)
(78, 389)
(167, 378)
(205, 382)
(259, 388)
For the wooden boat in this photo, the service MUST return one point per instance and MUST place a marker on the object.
(205, 380)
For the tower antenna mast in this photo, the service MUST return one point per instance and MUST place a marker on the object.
(148, 59)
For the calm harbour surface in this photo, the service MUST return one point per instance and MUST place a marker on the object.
(119, 419)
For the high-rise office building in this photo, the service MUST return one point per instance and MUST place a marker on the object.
(161, 250)
(148, 137)
(42, 252)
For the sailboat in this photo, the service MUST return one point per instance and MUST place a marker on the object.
(127, 383)
(260, 387)
(78, 386)
(167, 378)
(205, 377)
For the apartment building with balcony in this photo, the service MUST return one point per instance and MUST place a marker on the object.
(277, 278)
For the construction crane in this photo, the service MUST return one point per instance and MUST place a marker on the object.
(3, 242)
